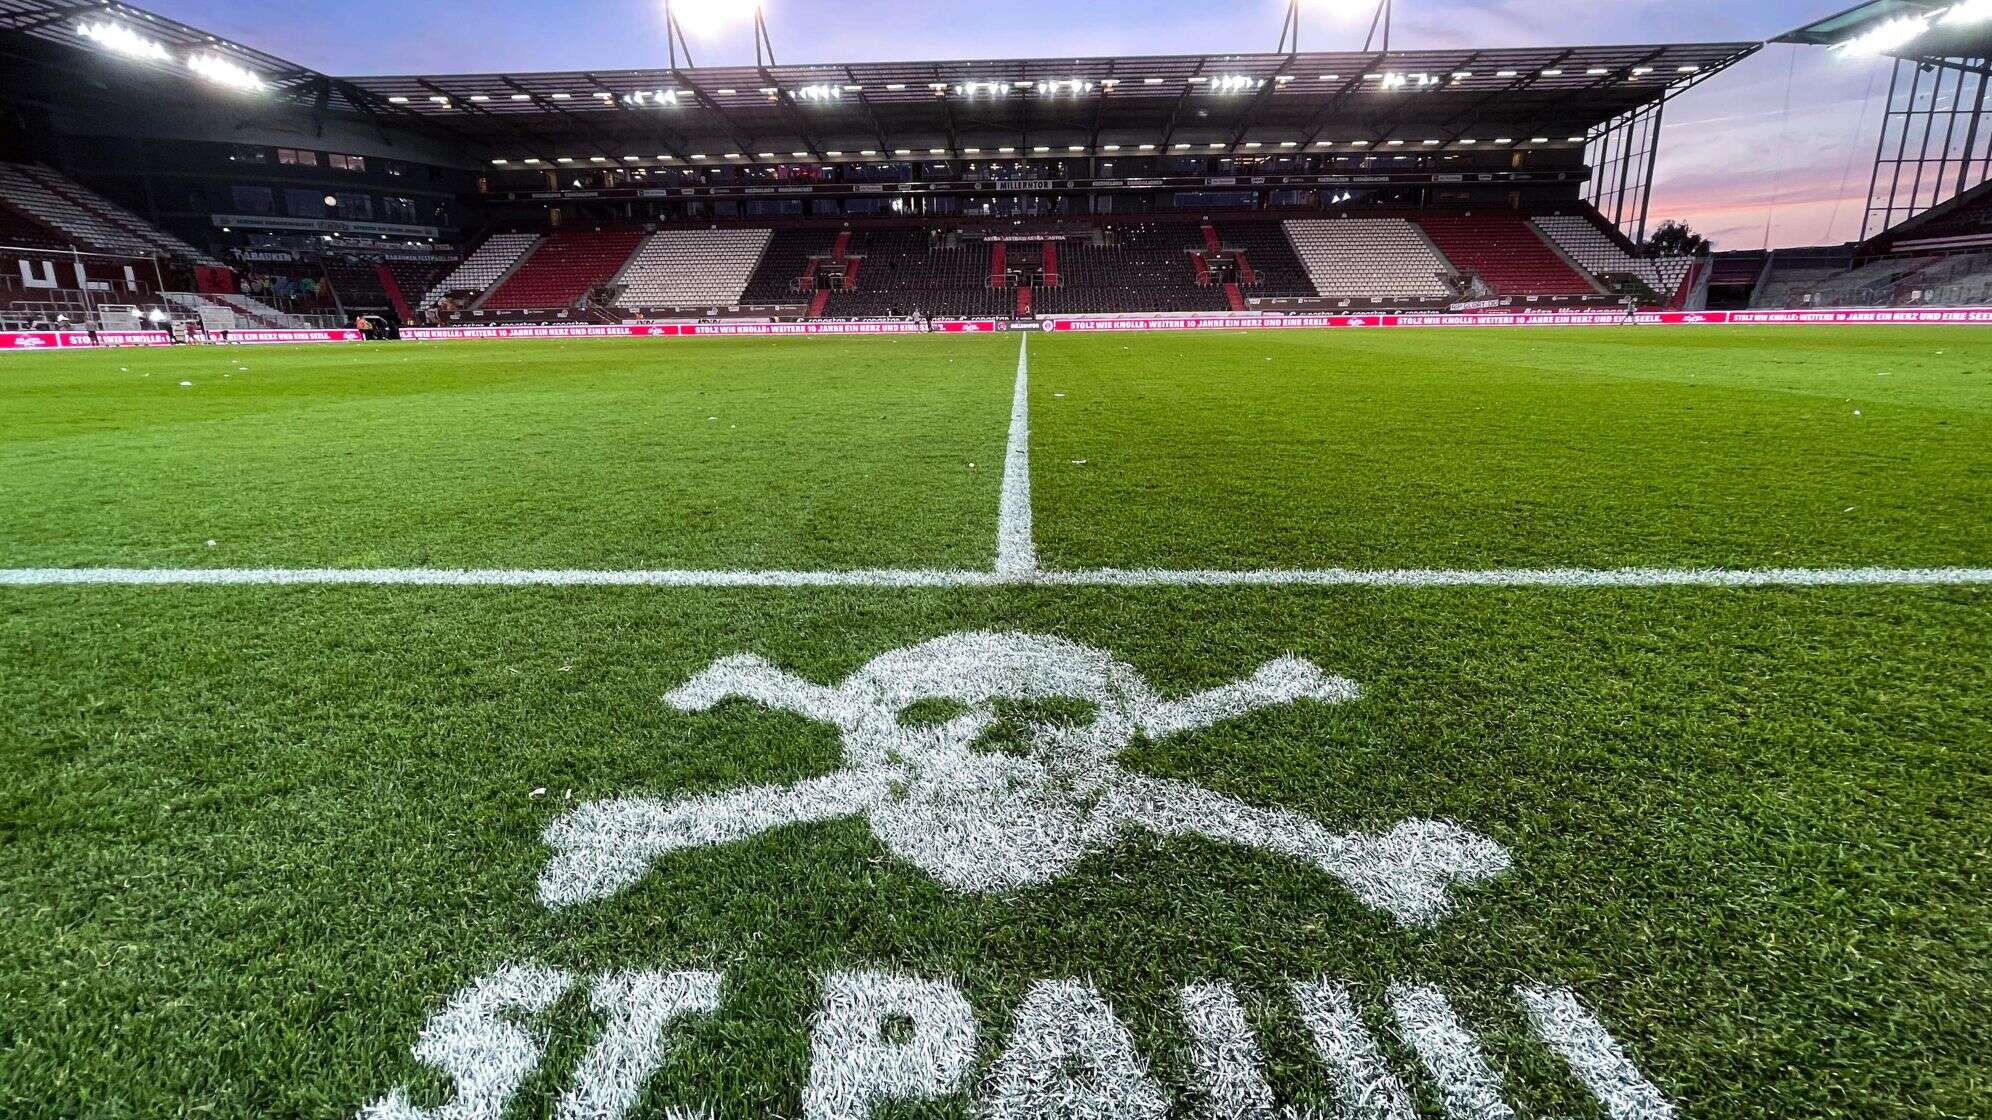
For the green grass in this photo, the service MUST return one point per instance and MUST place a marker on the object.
(738, 454)
(251, 839)
(1470, 449)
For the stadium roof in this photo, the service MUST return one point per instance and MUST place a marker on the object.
(963, 109)
(1905, 29)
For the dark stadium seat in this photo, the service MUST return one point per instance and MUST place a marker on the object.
(1276, 269)
(1137, 266)
(788, 255)
(904, 271)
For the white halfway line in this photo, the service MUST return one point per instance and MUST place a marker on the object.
(1016, 550)
(1016, 564)
(1399, 578)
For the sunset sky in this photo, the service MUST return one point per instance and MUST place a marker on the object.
(1737, 163)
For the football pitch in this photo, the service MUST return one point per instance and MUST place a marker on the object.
(1465, 724)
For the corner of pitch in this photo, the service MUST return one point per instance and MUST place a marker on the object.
(990, 821)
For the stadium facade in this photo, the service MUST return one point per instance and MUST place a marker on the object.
(151, 164)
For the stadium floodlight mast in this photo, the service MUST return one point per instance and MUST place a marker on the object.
(1290, 30)
(710, 17)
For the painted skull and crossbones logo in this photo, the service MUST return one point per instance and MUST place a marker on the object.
(988, 820)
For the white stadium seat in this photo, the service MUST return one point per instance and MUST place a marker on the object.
(1369, 258)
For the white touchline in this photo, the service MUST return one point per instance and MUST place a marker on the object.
(915, 579)
(1016, 549)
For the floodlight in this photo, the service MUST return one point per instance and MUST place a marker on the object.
(119, 39)
(222, 72)
(709, 17)
(1966, 12)
(1896, 33)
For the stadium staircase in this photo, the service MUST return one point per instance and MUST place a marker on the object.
(1051, 264)
(1235, 297)
(495, 260)
(392, 287)
(692, 268)
(1023, 301)
(1213, 244)
(1508, 254)
(1369, 258)
(999, 265)
(1201, 265)
(562, 269)
(818, 303)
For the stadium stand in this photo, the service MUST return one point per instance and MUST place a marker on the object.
(1370, 258)
(414, 278)
(1954, 281)
(87, 231)
(91, 222)
(161, 242)
(692, 268)
(563, 268)
(1585, 241)
(23, 232)
(1507, 254)
(235, 311)
(785, 261)
(913, 271)
(1271, 267)
(1874, 284)
(492, 262)
(1791, 274)
(1139, 265)
(357, 282)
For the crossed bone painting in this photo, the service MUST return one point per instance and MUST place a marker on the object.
(988, 820)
